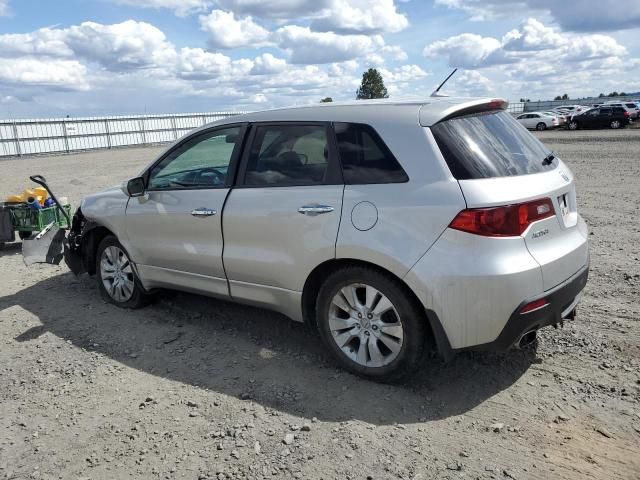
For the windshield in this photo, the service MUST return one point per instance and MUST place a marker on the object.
(490, 144)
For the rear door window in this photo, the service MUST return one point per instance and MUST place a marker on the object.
(285, 155)
(364, 156)
(490, 144)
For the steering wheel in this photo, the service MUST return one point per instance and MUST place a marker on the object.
(204, 174)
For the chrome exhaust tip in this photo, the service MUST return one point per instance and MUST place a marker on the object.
(527, 339)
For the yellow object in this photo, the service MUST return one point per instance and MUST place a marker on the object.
(39, 193)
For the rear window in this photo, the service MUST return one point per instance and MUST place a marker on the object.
(490, 144)
(631, 105)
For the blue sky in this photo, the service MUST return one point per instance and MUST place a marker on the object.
(98, 57)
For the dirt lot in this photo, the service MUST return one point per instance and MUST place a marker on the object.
(197, 388)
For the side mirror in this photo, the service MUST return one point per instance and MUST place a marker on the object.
(135, 187)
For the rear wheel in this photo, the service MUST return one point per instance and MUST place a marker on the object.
(117, 280)
(615, 124)
(370, 324)
(573, 125)
(541, 126)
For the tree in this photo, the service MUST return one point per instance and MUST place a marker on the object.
(557, 97)
(326, 100)
(613, 94)
(525, 100)
(565, 97)
(602, 95)
(372, 86)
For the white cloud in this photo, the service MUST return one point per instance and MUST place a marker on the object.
(395, 52)
(470, 83)
(120, 46)
(268, 64)
(182, 8)
(45, 41)
(4, 8)
(338, 16)
(532, 41)
(308, 47)
(198, 64)
(468, 50)
(362, 16)
(57, 74)
(578, 15)
(533, 35)
(225, 31)
(403, 74)
(258, 98)
(278, 9)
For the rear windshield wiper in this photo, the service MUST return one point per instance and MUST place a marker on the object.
(548, 160)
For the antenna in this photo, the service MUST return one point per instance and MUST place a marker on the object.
(437, 90)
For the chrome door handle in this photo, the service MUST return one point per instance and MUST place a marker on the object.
(203, 212)
(315, 209)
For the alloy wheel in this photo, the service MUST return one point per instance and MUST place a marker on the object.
(365, 325)
(615, 124)
(116, 274)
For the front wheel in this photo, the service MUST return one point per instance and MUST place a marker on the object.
(541, 126)
(117, 280)
(573, 125)
(371, 324)
(615, 124)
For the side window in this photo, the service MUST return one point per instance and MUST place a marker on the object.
(534, 115)
(288, 155)
(200, 162)
(364, 156)
(605, 111)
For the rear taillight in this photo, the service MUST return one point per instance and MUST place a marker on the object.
(626, 114)
(504, 221)
(533, 306)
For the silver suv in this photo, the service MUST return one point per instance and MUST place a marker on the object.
(390, 227)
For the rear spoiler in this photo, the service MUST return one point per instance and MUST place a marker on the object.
(458, 109)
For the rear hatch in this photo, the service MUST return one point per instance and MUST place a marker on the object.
(497, 162)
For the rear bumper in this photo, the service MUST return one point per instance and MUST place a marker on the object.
(562, 301)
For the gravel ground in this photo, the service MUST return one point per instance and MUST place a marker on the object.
(197, 388)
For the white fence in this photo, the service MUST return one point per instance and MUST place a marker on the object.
(65, 135)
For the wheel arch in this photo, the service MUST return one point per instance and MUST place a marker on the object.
(437, 336)
(93, 233)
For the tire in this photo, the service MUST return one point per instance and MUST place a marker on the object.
(25, 235)
(361, 345)
(615, 124)
(541, 126)
(112, 260)
(573, 125)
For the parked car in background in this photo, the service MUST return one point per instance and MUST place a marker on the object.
(562, 119)
(538, 120)
(388, 227)
(630, 107)
(602, 117)
(573, 108)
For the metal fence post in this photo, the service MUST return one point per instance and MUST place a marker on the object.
(66, 138)
(16, 139)
(106, 129)
(204, 119)
(173, 126)
(144, 136)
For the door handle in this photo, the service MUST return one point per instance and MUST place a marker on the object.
(203, 212)
(315, 209)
